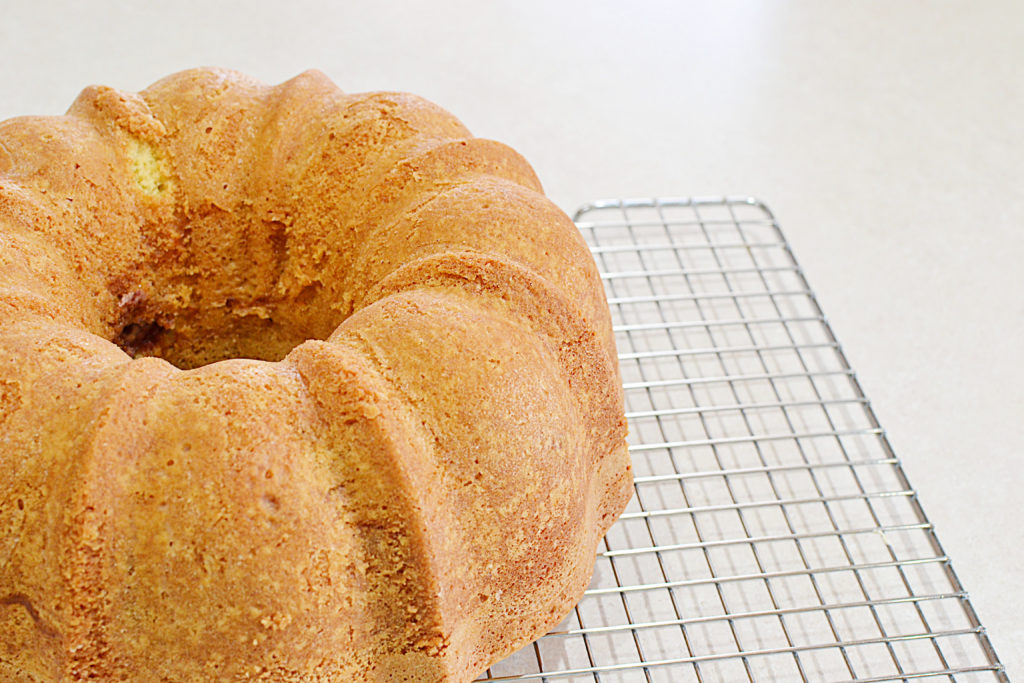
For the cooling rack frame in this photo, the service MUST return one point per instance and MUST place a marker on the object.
(773, 535)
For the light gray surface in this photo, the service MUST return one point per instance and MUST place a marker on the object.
(886, 137)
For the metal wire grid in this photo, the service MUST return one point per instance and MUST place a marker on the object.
(773, 535)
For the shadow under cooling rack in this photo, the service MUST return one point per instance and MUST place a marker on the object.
(773, 535)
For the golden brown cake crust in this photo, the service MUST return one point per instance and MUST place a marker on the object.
(295, 385)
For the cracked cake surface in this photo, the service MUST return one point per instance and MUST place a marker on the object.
(295, 385)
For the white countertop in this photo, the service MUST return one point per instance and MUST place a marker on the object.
(886, 137)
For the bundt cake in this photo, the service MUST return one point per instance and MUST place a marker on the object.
(294, 386)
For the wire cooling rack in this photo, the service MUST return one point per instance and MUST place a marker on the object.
(773, 535)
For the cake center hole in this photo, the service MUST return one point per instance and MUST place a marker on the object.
(191, 320)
